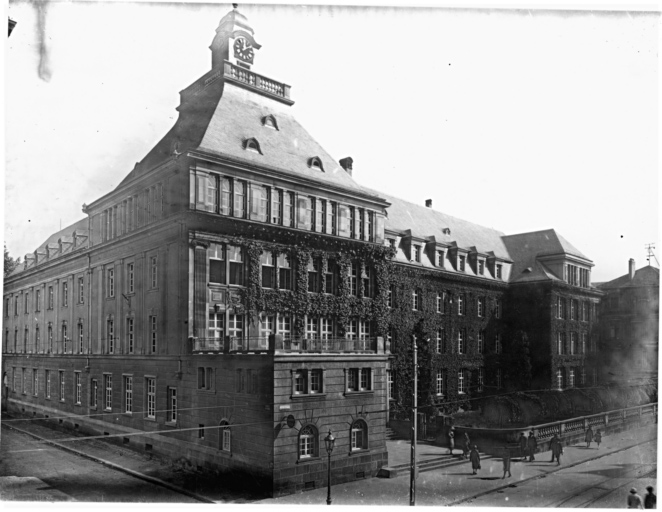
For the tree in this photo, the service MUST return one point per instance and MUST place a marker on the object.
(518, 362)
(10, 263)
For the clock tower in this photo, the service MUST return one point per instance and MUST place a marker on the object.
(234, 41)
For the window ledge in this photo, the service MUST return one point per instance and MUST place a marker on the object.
(359, 452)
(307, 460)
(206, 391)
(358, 393)
(171, 424)
(308, 396)
(153, 420)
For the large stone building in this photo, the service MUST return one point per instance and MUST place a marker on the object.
(242, 292)
(630, 316)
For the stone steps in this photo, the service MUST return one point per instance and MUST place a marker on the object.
(430, 464)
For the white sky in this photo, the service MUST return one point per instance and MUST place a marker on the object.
(519, 120)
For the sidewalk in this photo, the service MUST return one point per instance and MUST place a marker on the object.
(455, 484)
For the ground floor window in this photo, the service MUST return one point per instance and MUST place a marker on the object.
(172, 405)
(307, 442)
(359, 435)
(150, 390)
(225, 436)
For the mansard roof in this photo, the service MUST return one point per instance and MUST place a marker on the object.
(645, 276)
(425, 222)
(218, 118)
(526, 248)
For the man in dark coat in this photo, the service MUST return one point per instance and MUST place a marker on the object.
(474, 457)
(650, 500)
(451, 439)
(589, 437)
(557, 449)
(523, 446)
(506, 461)
(533, 445)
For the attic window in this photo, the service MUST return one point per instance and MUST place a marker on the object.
(270, 121)
(252, 145)
(315, 163)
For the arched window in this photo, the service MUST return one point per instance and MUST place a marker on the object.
(308, 444)
(270, 121)
(252, 145)
(316, 163)
(359, 435)
(224, 437)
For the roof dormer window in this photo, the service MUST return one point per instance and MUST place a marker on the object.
(252, 145)
(316, 163)
(270, 121)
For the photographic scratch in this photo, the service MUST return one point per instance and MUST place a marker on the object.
(44, 69)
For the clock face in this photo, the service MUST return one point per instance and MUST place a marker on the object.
(243, 50)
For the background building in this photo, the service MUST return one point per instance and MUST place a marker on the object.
(630, 315)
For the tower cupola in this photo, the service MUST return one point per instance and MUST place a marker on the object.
(234, 41)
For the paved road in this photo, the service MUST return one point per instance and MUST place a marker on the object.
(600, 483)
(63, 476)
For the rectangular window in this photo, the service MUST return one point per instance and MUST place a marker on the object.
(201, 431)
(461, 383)
(497, 343)
(65, 338)
(584, 337)
(560, 341)
(320, 216)
(354, 270)
(415, 300)
(153, 272)
(326, 328)
(288, 209)
(65, 296)
(235, 255)
(259, 203)
(417, 253)
(284, 326)
(128, 394)
(110, 282)
(108, 395)
(440, 259)
(314, 275)
(440, 302)
(284, 272)
(48, 384)
(300, 382)
(311, 328)
(172, 405)
(277, 207)
(216, 263)
(582, 376)
(498, 271)
(365, 383)
(130, 335)
(481, 379)
(268, 263)
(305, 212)
(353, 379)
(81, 290)
(462, 263)
(61, 375)
(316, 381)
(110, 334)
(573, 310)
(37, 302)
(239, 199)
(50, 297)
(440, 341)
(559, 379)
(460, 304)
(80, 337)
(330, 277)
(226, 196)
(481, 267)
(461, 342)
(573, 343)
(353, 219)
(497, 308)
(27, 303)
(130, 277)
(571, 378)
(152, 334)
(390, 385)
(343, 220)
(150, 391)
(481, 341)
(94, 390)
(216, 325)
(440, 383)
(35, 382)
(236, 326)
(481, 307)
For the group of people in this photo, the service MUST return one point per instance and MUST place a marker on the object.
(649, 501)
(590, 437)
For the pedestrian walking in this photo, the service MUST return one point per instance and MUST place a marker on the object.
(557, 449)
(598, 437)
(634, 500)
(533, 445)
(523, 446)
(506, 461)
(589, 437)
(474, 456)
(451, 439)
(650, 500)
(467, 446)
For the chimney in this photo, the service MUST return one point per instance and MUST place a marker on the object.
(346, 163)
(428, 203)
(631, 268)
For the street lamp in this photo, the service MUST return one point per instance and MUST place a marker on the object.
(329, 442)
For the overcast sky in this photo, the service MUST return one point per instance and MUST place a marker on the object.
(519, 120)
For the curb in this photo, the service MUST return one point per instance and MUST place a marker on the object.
(558, 468)
(117, 467)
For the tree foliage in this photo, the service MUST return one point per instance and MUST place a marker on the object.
(10, 263)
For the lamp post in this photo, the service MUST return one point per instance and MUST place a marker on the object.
(329, 442)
